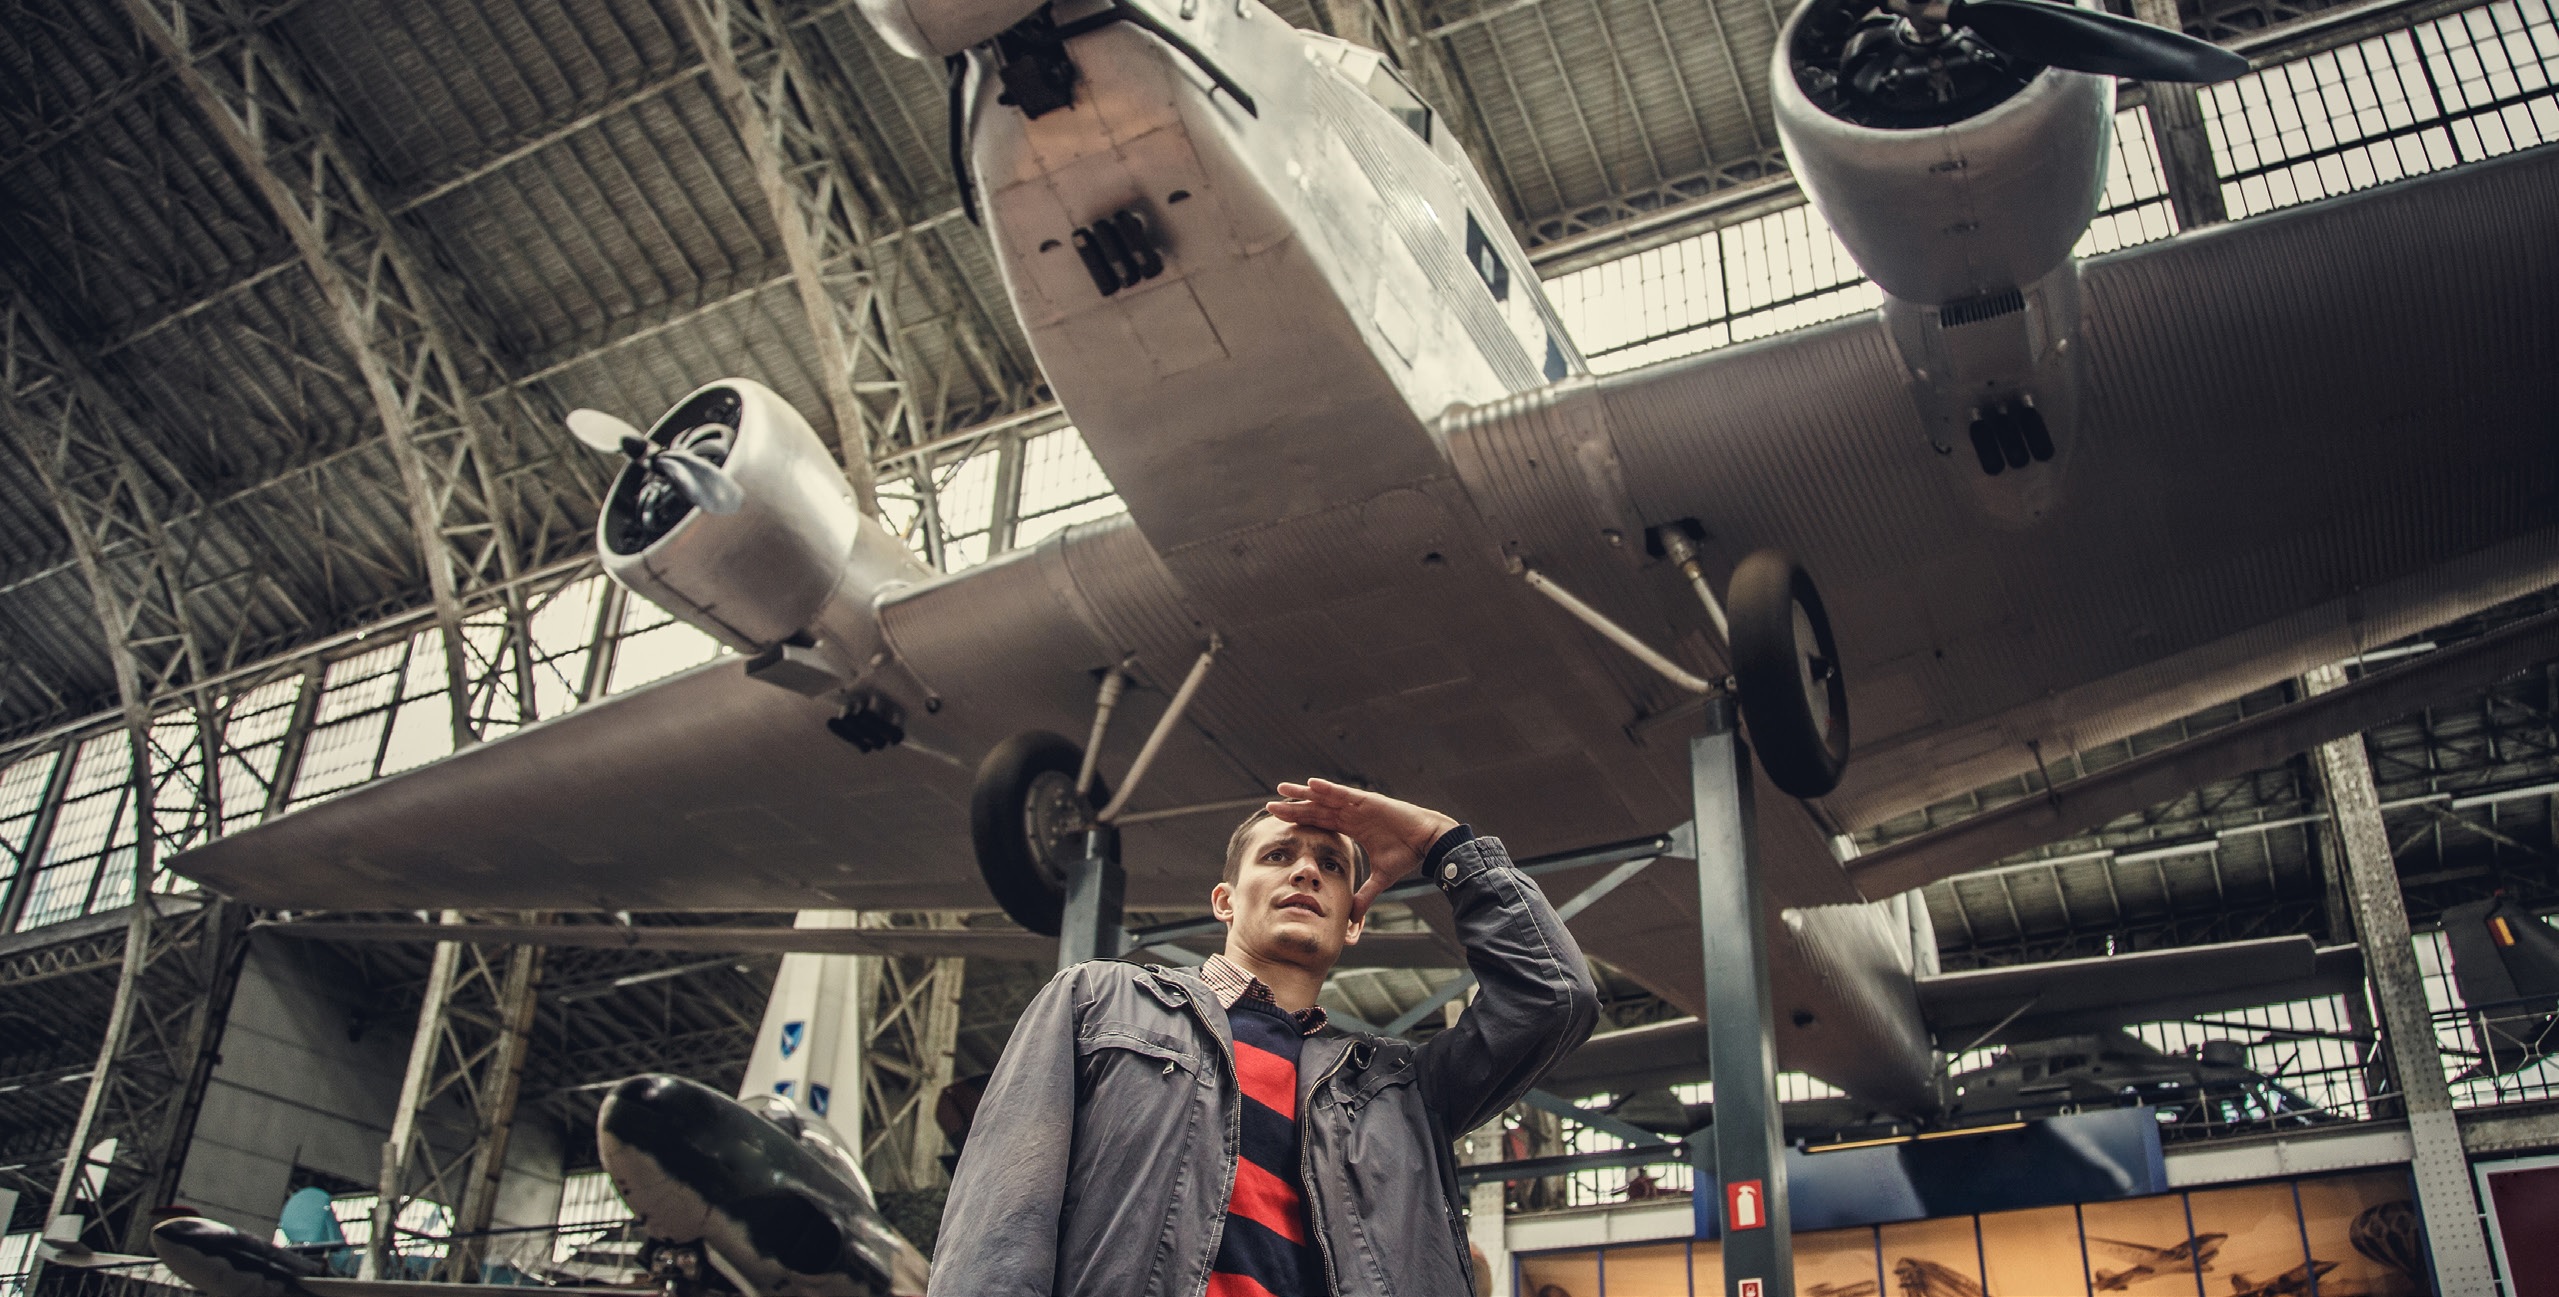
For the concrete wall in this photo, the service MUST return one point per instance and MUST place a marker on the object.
(292, 1089)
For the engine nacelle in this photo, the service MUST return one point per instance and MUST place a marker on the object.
(798, 564)
(937, 29)
(1955, 189)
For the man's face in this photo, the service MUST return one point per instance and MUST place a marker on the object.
(1291, 898)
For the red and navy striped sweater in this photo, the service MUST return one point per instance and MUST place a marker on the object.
(1268, 1249)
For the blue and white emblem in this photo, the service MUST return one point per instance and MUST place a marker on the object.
(818, 1095)
(791, 1033)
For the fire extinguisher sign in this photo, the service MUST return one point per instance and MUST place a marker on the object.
(1747, 1288)
(1745, 1205)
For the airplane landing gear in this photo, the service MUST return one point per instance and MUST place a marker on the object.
(1786, 674)
(1028, 823)
(1785, 664)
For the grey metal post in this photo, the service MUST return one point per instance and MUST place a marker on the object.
(1091, 928)
(2445, 1199)
(1739, 1045)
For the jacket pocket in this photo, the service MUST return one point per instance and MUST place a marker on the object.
(1173, 1052)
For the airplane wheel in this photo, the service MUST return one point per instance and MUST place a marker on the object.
(1786, 673)
(1028, 825)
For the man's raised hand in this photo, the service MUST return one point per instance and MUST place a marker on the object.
(1395, 834)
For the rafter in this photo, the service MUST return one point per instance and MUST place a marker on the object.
(836, 221)
(380, 300)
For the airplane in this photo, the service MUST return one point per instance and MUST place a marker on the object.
(2067, 1052)
(2188, 1257)
(1384, 524)
(2505, 963)
(2300, 1279)
(2211, 1086)
(777, 1200)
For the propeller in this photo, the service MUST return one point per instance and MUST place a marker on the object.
(706, 484)
(2083, 40)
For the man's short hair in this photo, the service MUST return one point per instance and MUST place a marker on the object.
(1235, 851)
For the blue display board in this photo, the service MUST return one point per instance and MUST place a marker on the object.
(2084, 1157)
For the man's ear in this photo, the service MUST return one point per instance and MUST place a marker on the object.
(1359, 924)
(1221, 903)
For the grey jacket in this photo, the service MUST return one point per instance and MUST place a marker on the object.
(1104, 1153)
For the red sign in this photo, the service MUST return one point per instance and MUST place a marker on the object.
(1745, 1205)
(1748, 1288)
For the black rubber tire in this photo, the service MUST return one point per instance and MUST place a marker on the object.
(1028, 891)
(1804, 750)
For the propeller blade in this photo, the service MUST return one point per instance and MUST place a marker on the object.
(602, 431)
(2086, 40)
(706, 484)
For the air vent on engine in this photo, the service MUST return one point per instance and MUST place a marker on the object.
(1974, 310)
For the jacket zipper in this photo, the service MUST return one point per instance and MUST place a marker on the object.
(1234, 1134)
(1306, 1180)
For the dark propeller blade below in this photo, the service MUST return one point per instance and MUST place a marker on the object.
(2085, 40)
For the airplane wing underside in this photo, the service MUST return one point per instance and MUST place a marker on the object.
(2303, 435)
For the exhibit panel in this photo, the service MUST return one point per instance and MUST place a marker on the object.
(2348, 1235)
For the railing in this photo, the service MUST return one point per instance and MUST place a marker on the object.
(2501, 1053)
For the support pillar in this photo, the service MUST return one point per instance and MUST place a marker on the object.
(173, 997)
(1091, 929)
(2176, 112)
(1759, 1258)
(457, 1098)
(2446, 1202)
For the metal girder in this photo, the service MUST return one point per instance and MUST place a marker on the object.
(74, 438)
(2256, 742)
(910, 1026)
(467, 1058)
(181, 964)
(847, 286)
(378, 292)
(2177, 123)
(2442, 1169)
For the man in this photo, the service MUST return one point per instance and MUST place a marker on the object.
(1165, 1132)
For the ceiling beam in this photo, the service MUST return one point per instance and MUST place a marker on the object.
(873, 385)
(280, 132)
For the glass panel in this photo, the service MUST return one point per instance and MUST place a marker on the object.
(2034, 1253)
(1656, 1270)
(2365, 1227)
(1559, 1274)
(22, 786)
(2139, 1241)
(655, 645)
(1934, 1257)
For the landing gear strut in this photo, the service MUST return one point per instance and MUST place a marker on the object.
(1785, 663)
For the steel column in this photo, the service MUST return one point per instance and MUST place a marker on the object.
(782, 119)
(910, 1025)
(173, 997)
(2445, 1200)
(471, 1041)
(1740, 1047)
(2176, 111)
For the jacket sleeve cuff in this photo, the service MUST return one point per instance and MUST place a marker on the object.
(1445, 865)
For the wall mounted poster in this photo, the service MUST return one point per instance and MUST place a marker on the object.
(1836, 1263)
(2365, 1226)
(1932, 1258)
(2033, 1253)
